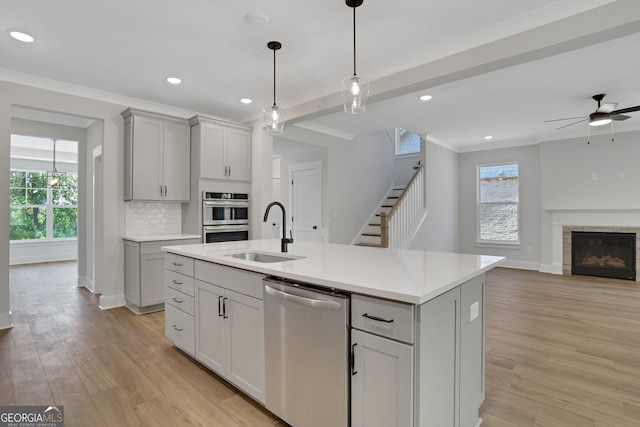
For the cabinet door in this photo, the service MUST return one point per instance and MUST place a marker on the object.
(152, 279)
(132, 272)
(213, 163)
(245, 343)
(381, 382)
(471, 350)
(147, 158)
(439, 360)
(176, 161)
(210, 326)
(239, 155)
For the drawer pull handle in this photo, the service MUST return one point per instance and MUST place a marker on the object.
(176, 282)
(377, 319)
(220, 306)
(179, 301)
(177, 264)
(177, 328)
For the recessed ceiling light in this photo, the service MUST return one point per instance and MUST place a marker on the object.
(23, 37)
(174, 80)
(246, 100)
(425, 97)
(488, 137)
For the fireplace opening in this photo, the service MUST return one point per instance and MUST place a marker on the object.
(600, 254)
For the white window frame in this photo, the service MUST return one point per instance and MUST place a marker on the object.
(396, 139)
(499, 243)
(49, 207)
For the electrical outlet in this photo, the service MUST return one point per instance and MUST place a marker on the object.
(620, 175)
(474, 310)
(594, 177)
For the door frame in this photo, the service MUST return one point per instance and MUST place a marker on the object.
(315, 164)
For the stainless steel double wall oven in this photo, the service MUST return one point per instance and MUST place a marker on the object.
(225, 217)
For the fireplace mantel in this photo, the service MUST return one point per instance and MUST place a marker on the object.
(596, 219)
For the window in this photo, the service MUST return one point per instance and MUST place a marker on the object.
(406, 142)
(498, 203)
(42, 212)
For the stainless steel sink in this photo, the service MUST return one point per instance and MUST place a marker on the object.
(262, 257)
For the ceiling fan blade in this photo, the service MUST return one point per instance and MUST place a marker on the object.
(626, 110)
(619, 117)
(607, 108)
(568, 118)
(574, 123)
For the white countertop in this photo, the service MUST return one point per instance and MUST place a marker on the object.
(398, 274)
(160, 237)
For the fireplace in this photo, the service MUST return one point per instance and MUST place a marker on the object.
(603, 254)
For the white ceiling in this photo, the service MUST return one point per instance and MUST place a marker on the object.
(498, 67)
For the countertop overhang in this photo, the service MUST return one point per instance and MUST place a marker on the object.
(405, 275)
(161, 237)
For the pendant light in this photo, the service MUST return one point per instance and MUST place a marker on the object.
(274, 116)
(54, 179)
(355, 91)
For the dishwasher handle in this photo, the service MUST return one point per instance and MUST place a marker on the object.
(310, 302)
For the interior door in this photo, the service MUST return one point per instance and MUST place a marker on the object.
(306, 201)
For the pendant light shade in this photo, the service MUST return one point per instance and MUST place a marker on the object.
(274, 116)
(54, 176)
(355, 91)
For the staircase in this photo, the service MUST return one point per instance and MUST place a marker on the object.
(398, 217)
(372, 233)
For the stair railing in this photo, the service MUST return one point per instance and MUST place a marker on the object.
(400, 222)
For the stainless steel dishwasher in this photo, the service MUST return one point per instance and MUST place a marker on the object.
(307, 353)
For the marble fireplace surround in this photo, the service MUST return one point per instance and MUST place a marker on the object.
(564, 221)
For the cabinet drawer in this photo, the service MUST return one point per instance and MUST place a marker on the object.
(381, 317)
(179, 264)
(179, 300)
(179, 327)
(241, 281)
(179, 282)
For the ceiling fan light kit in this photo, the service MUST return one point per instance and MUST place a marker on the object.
(604, 114)
(355, 91)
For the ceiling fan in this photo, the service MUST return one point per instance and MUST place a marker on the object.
(603, 115)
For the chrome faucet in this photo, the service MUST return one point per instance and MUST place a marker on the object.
(284, 241)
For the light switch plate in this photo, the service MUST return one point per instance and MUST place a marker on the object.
(474, 311)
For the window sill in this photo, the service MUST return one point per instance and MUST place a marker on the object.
(486, 244)
(407, 155)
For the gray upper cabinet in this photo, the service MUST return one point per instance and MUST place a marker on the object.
(157, 157)
(223, 148)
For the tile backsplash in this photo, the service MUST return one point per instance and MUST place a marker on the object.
(152, 218)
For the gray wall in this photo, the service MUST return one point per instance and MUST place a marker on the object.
(567, 182)
(439, 231)
(526, 255)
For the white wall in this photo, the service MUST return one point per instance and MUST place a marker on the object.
(294, 152)
(439, 231)
(567, 181)
(527, 254)
(360, 172)
(112, 140)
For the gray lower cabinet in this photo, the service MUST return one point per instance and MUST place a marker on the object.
(144, 274)
(230, 325)
(451, 357)
(179, 313)
(418, 365)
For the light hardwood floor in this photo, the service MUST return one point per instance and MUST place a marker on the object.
(561, 351)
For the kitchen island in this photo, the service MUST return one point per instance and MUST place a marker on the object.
(423, 365)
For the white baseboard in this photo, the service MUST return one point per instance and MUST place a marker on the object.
(521, 265)
(5, 321)
(87, 283)
(112, 302)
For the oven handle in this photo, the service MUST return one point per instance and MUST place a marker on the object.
(226, 203)
(223, 228)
